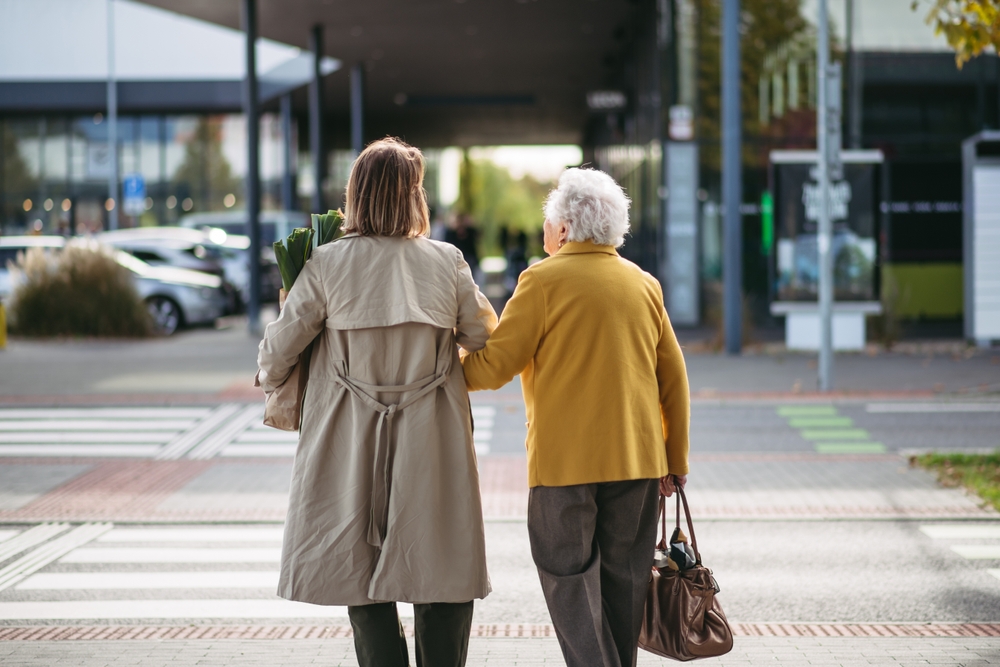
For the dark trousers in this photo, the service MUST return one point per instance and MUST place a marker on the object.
(441, 633)
(593, 545)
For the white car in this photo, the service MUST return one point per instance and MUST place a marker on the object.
(211, 250)
(274, 225)
(175, 297)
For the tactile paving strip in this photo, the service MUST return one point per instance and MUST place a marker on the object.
(157, 632)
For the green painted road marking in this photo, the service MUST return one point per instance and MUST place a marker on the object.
(835, 434)
(807, 411)
(850, 448)
(821, 422)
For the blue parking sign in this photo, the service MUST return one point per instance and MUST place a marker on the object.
(134, 191)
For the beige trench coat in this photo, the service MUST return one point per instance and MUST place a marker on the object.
(384, 502)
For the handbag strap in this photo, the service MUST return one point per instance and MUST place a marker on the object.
(681, 498)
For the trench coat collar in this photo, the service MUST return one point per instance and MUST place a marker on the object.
(583, 247)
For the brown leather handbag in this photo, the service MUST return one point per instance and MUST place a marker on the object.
(682, 619)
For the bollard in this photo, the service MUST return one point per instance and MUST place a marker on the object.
(3, 327)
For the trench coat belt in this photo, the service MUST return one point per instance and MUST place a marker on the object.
(381, 472)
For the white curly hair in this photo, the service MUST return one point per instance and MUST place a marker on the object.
(594, 206)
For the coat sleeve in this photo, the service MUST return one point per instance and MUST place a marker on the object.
(301, 319)
(476, 318)
(512, 346)
(675, 397)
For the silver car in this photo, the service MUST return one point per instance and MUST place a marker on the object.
(175, 297)
(210, 250)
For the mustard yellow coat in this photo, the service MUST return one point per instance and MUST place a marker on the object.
(604, 381)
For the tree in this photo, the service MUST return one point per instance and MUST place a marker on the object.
(764, 25)
(970, 26)
(205, 173)
(495, 200)
(16, 177)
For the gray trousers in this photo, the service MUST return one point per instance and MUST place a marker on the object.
(593, 546)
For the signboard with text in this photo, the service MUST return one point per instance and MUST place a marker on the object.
(854, 208)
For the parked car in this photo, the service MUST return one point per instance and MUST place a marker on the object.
(10, 246)
(212, 251)
(274, 225)
(174, 296)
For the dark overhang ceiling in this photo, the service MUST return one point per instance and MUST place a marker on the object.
(453, 72)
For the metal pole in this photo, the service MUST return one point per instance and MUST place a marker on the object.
(251, 113)
(288, 156)
(112, 120)
(357, 108)
(316, 119)
(732, 186)
(825, 238)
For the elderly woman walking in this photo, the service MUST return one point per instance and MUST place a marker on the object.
(607, 402)
(385, 503)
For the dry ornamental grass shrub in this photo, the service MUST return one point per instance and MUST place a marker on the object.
(79, 291)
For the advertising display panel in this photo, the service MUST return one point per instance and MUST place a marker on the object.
(854, 210)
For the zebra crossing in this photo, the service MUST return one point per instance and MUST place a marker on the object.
(184, 572)
(828, 431)
(165, 433)
(985, 535)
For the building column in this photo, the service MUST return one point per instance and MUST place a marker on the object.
(357, 108)
(732, 179)
(316, 119)
(252, 115)
(288, 155)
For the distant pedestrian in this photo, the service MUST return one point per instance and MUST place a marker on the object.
(465, 237)
(385, 503)
(608, 408)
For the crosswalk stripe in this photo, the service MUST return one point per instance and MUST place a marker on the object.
(807, 411)
(932, 407)
(962, 532)
(104, 413)
(821, 422)
(978, 551)
(49, 552)
(180, 445)
(228, 430)
(138, 451)
(172, 555)
(995, 573)
(259, 450)
(7, 534)
(836, 434)
(29, 538)
(172, 425)
(59, 438)
(850, 448)
(213, 444)
(149, 580)
(270, 436)
(114, 609)
(118, 534)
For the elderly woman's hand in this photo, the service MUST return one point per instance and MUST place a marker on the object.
(670, 483)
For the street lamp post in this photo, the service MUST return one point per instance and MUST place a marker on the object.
(828, 167)
(112, 101)
(251, 112)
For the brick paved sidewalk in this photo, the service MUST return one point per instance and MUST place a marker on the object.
(797, 651)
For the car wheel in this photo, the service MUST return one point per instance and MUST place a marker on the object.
(165, 313)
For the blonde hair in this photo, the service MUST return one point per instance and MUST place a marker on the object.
(385, 192)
